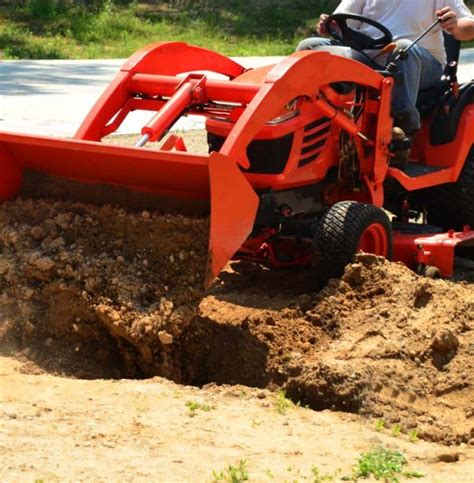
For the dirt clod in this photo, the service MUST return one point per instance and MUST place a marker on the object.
(445, 341)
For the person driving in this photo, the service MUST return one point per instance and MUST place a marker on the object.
(407, 19)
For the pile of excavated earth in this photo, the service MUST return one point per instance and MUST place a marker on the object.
(92, 291)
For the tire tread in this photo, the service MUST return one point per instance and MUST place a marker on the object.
(338, 235)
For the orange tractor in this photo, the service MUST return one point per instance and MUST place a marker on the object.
(298, 171)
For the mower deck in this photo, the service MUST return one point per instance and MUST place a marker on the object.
(421, 250)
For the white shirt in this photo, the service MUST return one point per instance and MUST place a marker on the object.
(406, 19)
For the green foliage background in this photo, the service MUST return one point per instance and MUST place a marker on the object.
(38, 29)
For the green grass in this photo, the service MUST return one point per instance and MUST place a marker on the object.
(413, 435)
(396, 430)
(66, 29)
(282, 403)
(114, 30)
(379, 425)
(195, 406)
(232, 474)
(383, 464)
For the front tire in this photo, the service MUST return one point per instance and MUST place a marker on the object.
(346, 228)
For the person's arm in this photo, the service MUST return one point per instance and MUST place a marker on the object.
(346, 6)
(461, 28)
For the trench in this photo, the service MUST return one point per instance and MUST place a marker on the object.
(89, 292)
(71, 335)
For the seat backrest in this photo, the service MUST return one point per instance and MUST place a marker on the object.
(452, 48)
(428, 98)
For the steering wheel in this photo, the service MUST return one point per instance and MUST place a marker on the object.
(339, 29)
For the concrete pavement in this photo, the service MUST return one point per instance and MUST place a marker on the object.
(52, 97)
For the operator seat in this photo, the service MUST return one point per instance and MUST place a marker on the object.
(445, 104)
(428, 99)
(349, 53)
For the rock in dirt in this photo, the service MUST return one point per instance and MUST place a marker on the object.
(165, 337)
(445, 341)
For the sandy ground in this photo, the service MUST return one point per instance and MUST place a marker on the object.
(57, 429)
(92, 297)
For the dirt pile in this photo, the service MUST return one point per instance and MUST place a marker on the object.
(401, 348)
(104, 292)
(104, 286)
(381, 342)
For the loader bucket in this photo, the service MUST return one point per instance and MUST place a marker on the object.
(233, 209)
(179, 182)
(84, 167)
(10, 175)
(175, 174)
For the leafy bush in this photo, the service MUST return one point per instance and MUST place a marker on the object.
(42, 8)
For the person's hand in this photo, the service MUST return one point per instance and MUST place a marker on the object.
(449, 19)
(322, 25)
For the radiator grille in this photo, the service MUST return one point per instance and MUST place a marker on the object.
(314, 140)
(267, 156)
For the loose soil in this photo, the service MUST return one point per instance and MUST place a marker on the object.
(105, 293)
(63, 429)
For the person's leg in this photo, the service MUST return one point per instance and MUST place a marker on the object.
(312, 43)
(419, 71)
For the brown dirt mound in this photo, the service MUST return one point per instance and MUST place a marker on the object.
(110, 284)
(98, 292)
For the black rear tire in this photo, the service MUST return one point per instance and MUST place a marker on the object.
(451, 206)
(338, 235)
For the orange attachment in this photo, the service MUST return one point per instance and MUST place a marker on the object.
(289, 133)
(436, 250)
(233, 208)
(10, 175)
(161, 172)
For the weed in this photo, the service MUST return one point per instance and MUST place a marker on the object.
(282, 403)
(413, 474)
(270, 474)
(317, 477)
(314, 477)
(396, 430)
(379, 425)
(195, 406)
(295, 473)
(382, 463)
(232, 474)
(413, 435)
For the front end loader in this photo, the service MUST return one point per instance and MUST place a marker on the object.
(298, 171)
